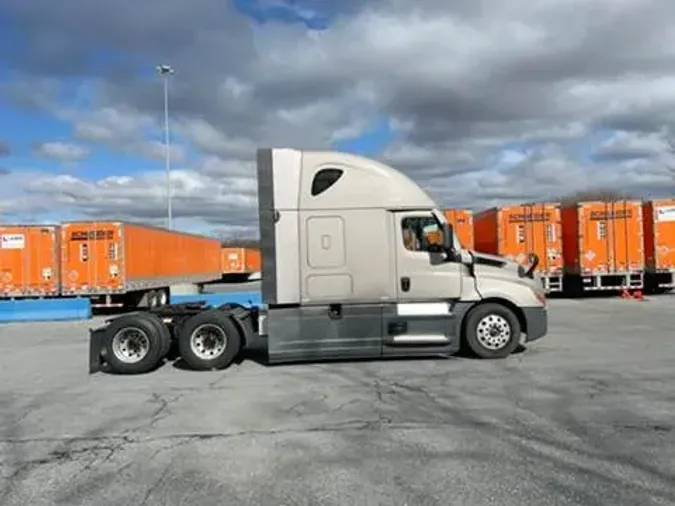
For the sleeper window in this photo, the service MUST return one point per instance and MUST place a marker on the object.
(324, 179)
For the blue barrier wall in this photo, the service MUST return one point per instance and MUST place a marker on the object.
(26, 310)
(247, 299)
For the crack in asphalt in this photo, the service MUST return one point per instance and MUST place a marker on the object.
(441, 413)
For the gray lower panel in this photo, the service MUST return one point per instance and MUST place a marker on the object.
(422, 335)
(309, 333)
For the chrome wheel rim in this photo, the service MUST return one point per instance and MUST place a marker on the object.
(130, 345)
(493, 332)
(208, 341)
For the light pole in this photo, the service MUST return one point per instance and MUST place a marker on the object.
(166, 71)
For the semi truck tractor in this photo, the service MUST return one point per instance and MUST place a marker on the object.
(357, 262)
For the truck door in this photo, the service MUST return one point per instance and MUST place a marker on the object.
(422, 276)
(424, 319)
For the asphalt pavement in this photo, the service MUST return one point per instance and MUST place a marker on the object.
(585, 416)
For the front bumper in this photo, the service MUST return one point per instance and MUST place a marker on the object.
(536, 322)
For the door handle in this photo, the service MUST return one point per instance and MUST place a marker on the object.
(397, 328)
(335, 311)
(405, 283)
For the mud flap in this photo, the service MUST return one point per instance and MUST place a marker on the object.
(96, 343)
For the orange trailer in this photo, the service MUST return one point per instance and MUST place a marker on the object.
(462, 222)
(240, 260)
(29, 260)
(118, 263)
(602, 245)
(518, 230)
(659, 242)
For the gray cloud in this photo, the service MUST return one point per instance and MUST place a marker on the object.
(5, 149)
(62, 151)
(491, 101)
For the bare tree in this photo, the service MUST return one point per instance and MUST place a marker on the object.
(597, 194)
(238, 241)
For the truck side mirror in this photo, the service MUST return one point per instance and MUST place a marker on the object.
(435, 248)
(448, 243)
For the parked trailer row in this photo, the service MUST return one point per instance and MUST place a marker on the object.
(241, 261)
(115, 264)
(586, 246)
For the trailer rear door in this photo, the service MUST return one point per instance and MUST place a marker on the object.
(92, 258)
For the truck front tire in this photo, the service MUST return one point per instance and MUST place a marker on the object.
(209, 340)
(492, 331)
(133, 344)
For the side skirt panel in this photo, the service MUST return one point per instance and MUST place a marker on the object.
(323, 332)
(308, 333)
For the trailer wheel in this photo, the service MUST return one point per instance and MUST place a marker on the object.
(162, 330)
(133, 344)
(209, 340)
(492, 331)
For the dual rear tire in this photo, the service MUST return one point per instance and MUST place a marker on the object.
(137, 343)
(209, 340)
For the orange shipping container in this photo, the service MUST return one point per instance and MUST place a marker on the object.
(118, 257)
(604, 238)
(29, 260)
(659, 234)
(240, 260)
(253, 260)
(462, 222)
(516, 231)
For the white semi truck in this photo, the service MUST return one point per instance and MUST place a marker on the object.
(350, 270)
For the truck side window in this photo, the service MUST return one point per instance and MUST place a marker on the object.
(412, 230)
(324, 179)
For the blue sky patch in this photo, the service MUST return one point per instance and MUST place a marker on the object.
(371, 142)
(311, 13)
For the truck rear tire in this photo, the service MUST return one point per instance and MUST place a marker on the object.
(162, 330)
(492, 331)
(209, 340)
(133, 344)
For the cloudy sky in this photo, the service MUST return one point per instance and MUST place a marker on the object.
(483, 102)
